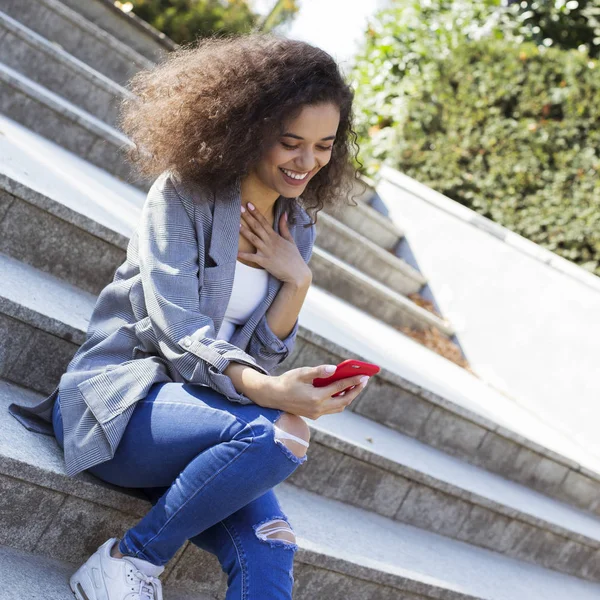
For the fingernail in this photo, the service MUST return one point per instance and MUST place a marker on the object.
(286, 217)
(329, 368)
(250, 206)
(364, 379)
(243, 209)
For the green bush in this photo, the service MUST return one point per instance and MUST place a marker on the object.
(558, 23)
(511, 131)
(185, 20)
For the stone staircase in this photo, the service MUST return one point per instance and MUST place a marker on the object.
(430, 485)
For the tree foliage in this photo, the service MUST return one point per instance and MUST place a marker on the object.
(185, 20)
(511, 130)
(560, 23)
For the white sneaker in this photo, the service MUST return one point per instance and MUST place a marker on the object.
(104, 577)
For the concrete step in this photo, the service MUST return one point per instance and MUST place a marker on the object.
(56, 119)
(329, 272)
(29, 576)
(413, 409)
(368, 294)
(50, 317)
(58, 71)
(417, 392)
(364, 218)
(357, 250)
(393, 474)
(527, 317)
(336, 554)
(78, 36)
(365, 464)
(126, 27)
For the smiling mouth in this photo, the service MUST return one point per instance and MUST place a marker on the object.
(294, 177)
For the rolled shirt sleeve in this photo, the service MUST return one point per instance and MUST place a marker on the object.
(169, 268)
(268, 349)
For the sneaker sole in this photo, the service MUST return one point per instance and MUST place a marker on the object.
(76, 583)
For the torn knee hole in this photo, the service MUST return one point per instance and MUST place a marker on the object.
(292, 433)
(275, 530)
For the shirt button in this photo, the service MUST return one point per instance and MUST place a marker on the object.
(187, 342)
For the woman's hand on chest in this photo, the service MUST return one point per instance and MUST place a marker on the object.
(276, 253)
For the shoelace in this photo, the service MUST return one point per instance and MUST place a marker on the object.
(149, 585)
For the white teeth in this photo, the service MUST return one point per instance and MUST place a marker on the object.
(293, 175)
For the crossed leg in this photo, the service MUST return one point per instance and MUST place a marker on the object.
(188, 447)
(259, 565)
(255, 545)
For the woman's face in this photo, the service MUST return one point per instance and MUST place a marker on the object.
(304, 147)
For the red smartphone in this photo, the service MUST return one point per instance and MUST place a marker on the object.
(347, 368)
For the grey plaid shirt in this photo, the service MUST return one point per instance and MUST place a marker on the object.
(157, 320)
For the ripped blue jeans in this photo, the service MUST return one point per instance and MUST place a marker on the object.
(208, 466)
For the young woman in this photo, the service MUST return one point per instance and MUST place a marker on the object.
(172, 391)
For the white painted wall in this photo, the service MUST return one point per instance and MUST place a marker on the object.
(527, 320)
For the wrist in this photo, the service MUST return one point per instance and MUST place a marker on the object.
(262, 392)
(302, 282)
(249, 381)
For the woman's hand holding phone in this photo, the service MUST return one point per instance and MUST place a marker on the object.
(295, 391)
(348, 368)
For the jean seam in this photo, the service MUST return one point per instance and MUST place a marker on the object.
(240, 420)
(166, 403)
(246, 423)
(196, 492)
(243, 564)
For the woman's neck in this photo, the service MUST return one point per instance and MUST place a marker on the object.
(262, 197)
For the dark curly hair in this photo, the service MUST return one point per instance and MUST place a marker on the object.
(212, 107)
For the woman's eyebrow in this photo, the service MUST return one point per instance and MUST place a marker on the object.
(293, 135)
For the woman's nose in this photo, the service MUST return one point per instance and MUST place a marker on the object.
(306, 162)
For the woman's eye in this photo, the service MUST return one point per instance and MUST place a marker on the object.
(294, 147)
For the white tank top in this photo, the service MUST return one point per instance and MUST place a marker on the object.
(249, 289)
